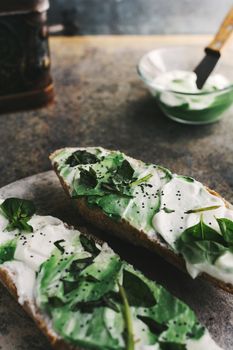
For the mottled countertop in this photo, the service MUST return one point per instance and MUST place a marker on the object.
(101, 101)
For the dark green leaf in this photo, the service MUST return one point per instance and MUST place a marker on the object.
(124, 173)
(226, 227)
(55, 302)
(201, 243)
(88, 306)
(88, 178)
(138, 292)
(90, 278)
(172, 346)
(154, 326)
(81, 157)
(167, 210)
(18, 212)
(186, 178)
(110, 303)
(197, 331)
(7, 251)
(120, 179)
(110, 187)
(119, 189)
(89, 245)
(69, 286)
(59, 246)
(201, 251)
(80, 264)
(200, 232)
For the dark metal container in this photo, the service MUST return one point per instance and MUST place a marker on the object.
(25, 80)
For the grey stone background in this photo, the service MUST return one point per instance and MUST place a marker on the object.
(139, 16)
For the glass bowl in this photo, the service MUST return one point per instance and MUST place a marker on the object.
(189, 108)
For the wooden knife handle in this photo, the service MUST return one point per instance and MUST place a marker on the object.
(223, 34)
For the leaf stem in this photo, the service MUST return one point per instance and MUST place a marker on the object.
(128, 319)
(143, 179)
(202, 209)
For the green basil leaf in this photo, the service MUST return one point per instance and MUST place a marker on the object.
(81, 157)
(201, 251)
(7, 251)
(226, 227)
(113, 205)
(201, 243)
(18, 212)
(200, 232)
(138, 293)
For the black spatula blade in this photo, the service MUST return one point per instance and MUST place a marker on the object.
(205, 67)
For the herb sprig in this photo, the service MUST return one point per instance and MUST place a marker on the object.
(199, 210)
(201, 242)
(18, 212)
(120, 179)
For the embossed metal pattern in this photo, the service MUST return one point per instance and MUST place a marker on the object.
(24, 53)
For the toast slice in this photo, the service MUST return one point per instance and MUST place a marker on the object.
(82, 295)
(204, 211)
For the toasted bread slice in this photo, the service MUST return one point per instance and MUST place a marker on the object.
(124, 230)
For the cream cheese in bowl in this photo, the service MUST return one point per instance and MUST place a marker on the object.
(175, 88)
(185, 81)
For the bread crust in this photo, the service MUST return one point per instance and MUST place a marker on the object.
(123, 230)
(7, 279)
